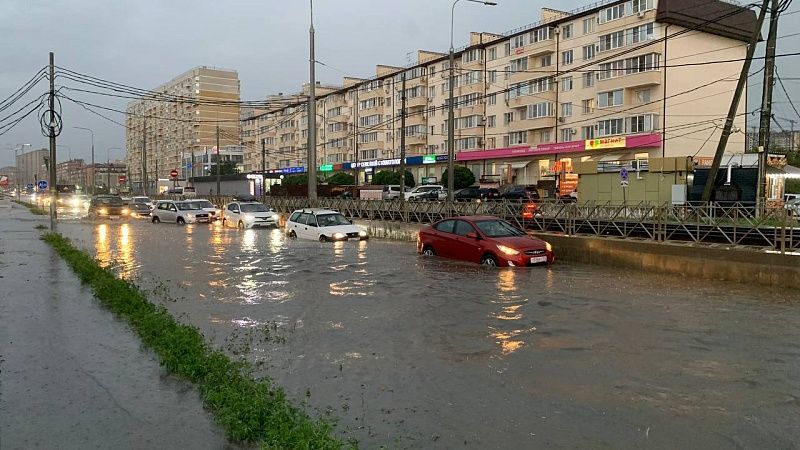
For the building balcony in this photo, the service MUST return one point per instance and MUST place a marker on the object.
(529, 99)
(416, 102)
(532, 124)
(417, 139)
(416, 119)
(468, 110)
(637, 80)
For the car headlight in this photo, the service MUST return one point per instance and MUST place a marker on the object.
(548, 246)
(338, 235)
(102, 211)
(362, 233)
(507, 250)
(125, 211)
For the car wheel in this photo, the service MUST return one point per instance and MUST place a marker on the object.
(181, 221)
(240, 225)
(322, 238)
(155, 219)
(292, 235)
(428, 251)
(489, 261)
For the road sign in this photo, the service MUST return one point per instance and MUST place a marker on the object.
(121, 179)
(189, 166)
(29, 185)
(41, 184)
(623, 183)
(174, 173)
(623, 174)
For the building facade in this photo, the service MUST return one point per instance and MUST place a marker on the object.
(32, 166)
(72, 172)
(626, 80)
(186, 116)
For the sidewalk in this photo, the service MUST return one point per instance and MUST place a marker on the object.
(71, 375)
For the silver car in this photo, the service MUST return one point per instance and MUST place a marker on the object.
(180, 212)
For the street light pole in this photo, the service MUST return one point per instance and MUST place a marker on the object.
(311, 158)
(451, 154)
(16, 165)
(93, 168)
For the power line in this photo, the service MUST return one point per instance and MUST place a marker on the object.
(788, 97)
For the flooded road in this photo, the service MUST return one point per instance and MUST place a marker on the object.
(410, 352)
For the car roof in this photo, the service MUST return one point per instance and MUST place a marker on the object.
(472, 218)
(316, 211)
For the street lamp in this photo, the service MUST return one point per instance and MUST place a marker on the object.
(69, 150)
(108, 166)
(90, 131)
(312, 117)
(451, 154)
(16, 165)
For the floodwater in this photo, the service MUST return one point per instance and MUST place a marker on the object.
(411, 352)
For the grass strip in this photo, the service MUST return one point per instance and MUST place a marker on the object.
(33, 208)
(249, 410)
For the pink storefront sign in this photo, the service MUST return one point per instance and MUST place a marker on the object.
(631, 142)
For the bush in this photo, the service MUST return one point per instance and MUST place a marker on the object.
(295, 180)
(464, 178)
(342, 179)
(393, 177)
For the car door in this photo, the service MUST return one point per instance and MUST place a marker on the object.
(443, 237)
(292, 223)
(310, 229)
(466, 248)
(172, 212)
(232, 215)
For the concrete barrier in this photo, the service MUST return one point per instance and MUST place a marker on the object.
(695, 262)
(690, 261)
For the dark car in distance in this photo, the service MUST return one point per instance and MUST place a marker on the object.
(516, 192)
(487, 240)
(489, 193)
(467, 194)
(107, 206)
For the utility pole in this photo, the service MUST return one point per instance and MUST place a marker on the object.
(263, 170)
(791, 135)
(403, 140)
(155, 150)
(52, 127)
(451, 154)
(219, 166)
(191, 172)
(355, 138)
(144, 158)
(311, 158)
(766, 107)
(737, 96)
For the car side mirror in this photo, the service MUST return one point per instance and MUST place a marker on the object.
(472, 236)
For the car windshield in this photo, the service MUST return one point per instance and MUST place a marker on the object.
(141, 200)
(498, 228)
(110, 201)
(331, 220)
(187, 206)
(254, 207)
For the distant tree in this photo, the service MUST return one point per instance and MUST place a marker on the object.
(226, 167)
(393, 177)
(341, 179)
(463, 178)
(295, 180)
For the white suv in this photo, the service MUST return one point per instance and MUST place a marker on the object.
(413, 194)
(323, 225)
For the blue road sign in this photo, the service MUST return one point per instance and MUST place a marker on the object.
(41, 184)
(188, 165)
(29, 185)
(623, 174)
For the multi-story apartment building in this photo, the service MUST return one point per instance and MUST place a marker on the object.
(620, 80)
(31, 166)
(72, 172)
(179, 119)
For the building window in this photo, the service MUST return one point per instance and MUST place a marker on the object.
(611, 70)
(518, 137)
(610, 127)
(467, 143)
(587, 106)
(588, 79)
(508, 118)
(643, 96)
(507, 48)
(566, 134)
(369, 154)
(566, 57)
(610, 99)
(587, 132)
(491, 121)
(588, 25)
(492, 99)
(642, 123)
(541, 34)
(613, 13)
(544, 136)
(537, 110)
(566, 31)
(368, 137)
(492, 53)
(519, 65)
(588, 52)
(471, 55)
(641, 33)
(566, 109)
(638, 6)
(492, 76)
(518, 41)
(566, 84)
(612, 40)
(642, 63)
(546, 61)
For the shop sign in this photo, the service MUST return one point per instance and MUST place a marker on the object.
(326, 168)
(428, 159)
(561, 166)
(604, 143)
(289, 170)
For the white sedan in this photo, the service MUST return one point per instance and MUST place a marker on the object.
(245, 215)
(323, 225)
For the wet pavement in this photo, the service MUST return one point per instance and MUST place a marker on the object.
(71, 375)
(412, 352)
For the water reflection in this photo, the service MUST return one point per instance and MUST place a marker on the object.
(101, 245)
(510, 314)
(125, 252)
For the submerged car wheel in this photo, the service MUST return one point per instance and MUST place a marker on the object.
(181, 221)
(155, 219)
(292, 234)
(322, 238)
(489, 261)
(240, 225)
(428, 251)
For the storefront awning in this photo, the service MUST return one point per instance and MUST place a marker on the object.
(520, 164)
(784, 172)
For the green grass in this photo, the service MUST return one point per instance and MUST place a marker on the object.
(33, 208)
(252, 411)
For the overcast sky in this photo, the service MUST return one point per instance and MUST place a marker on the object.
(144, 43)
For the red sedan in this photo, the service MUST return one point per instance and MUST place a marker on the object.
(483, 239)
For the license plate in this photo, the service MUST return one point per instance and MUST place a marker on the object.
(538, 259)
